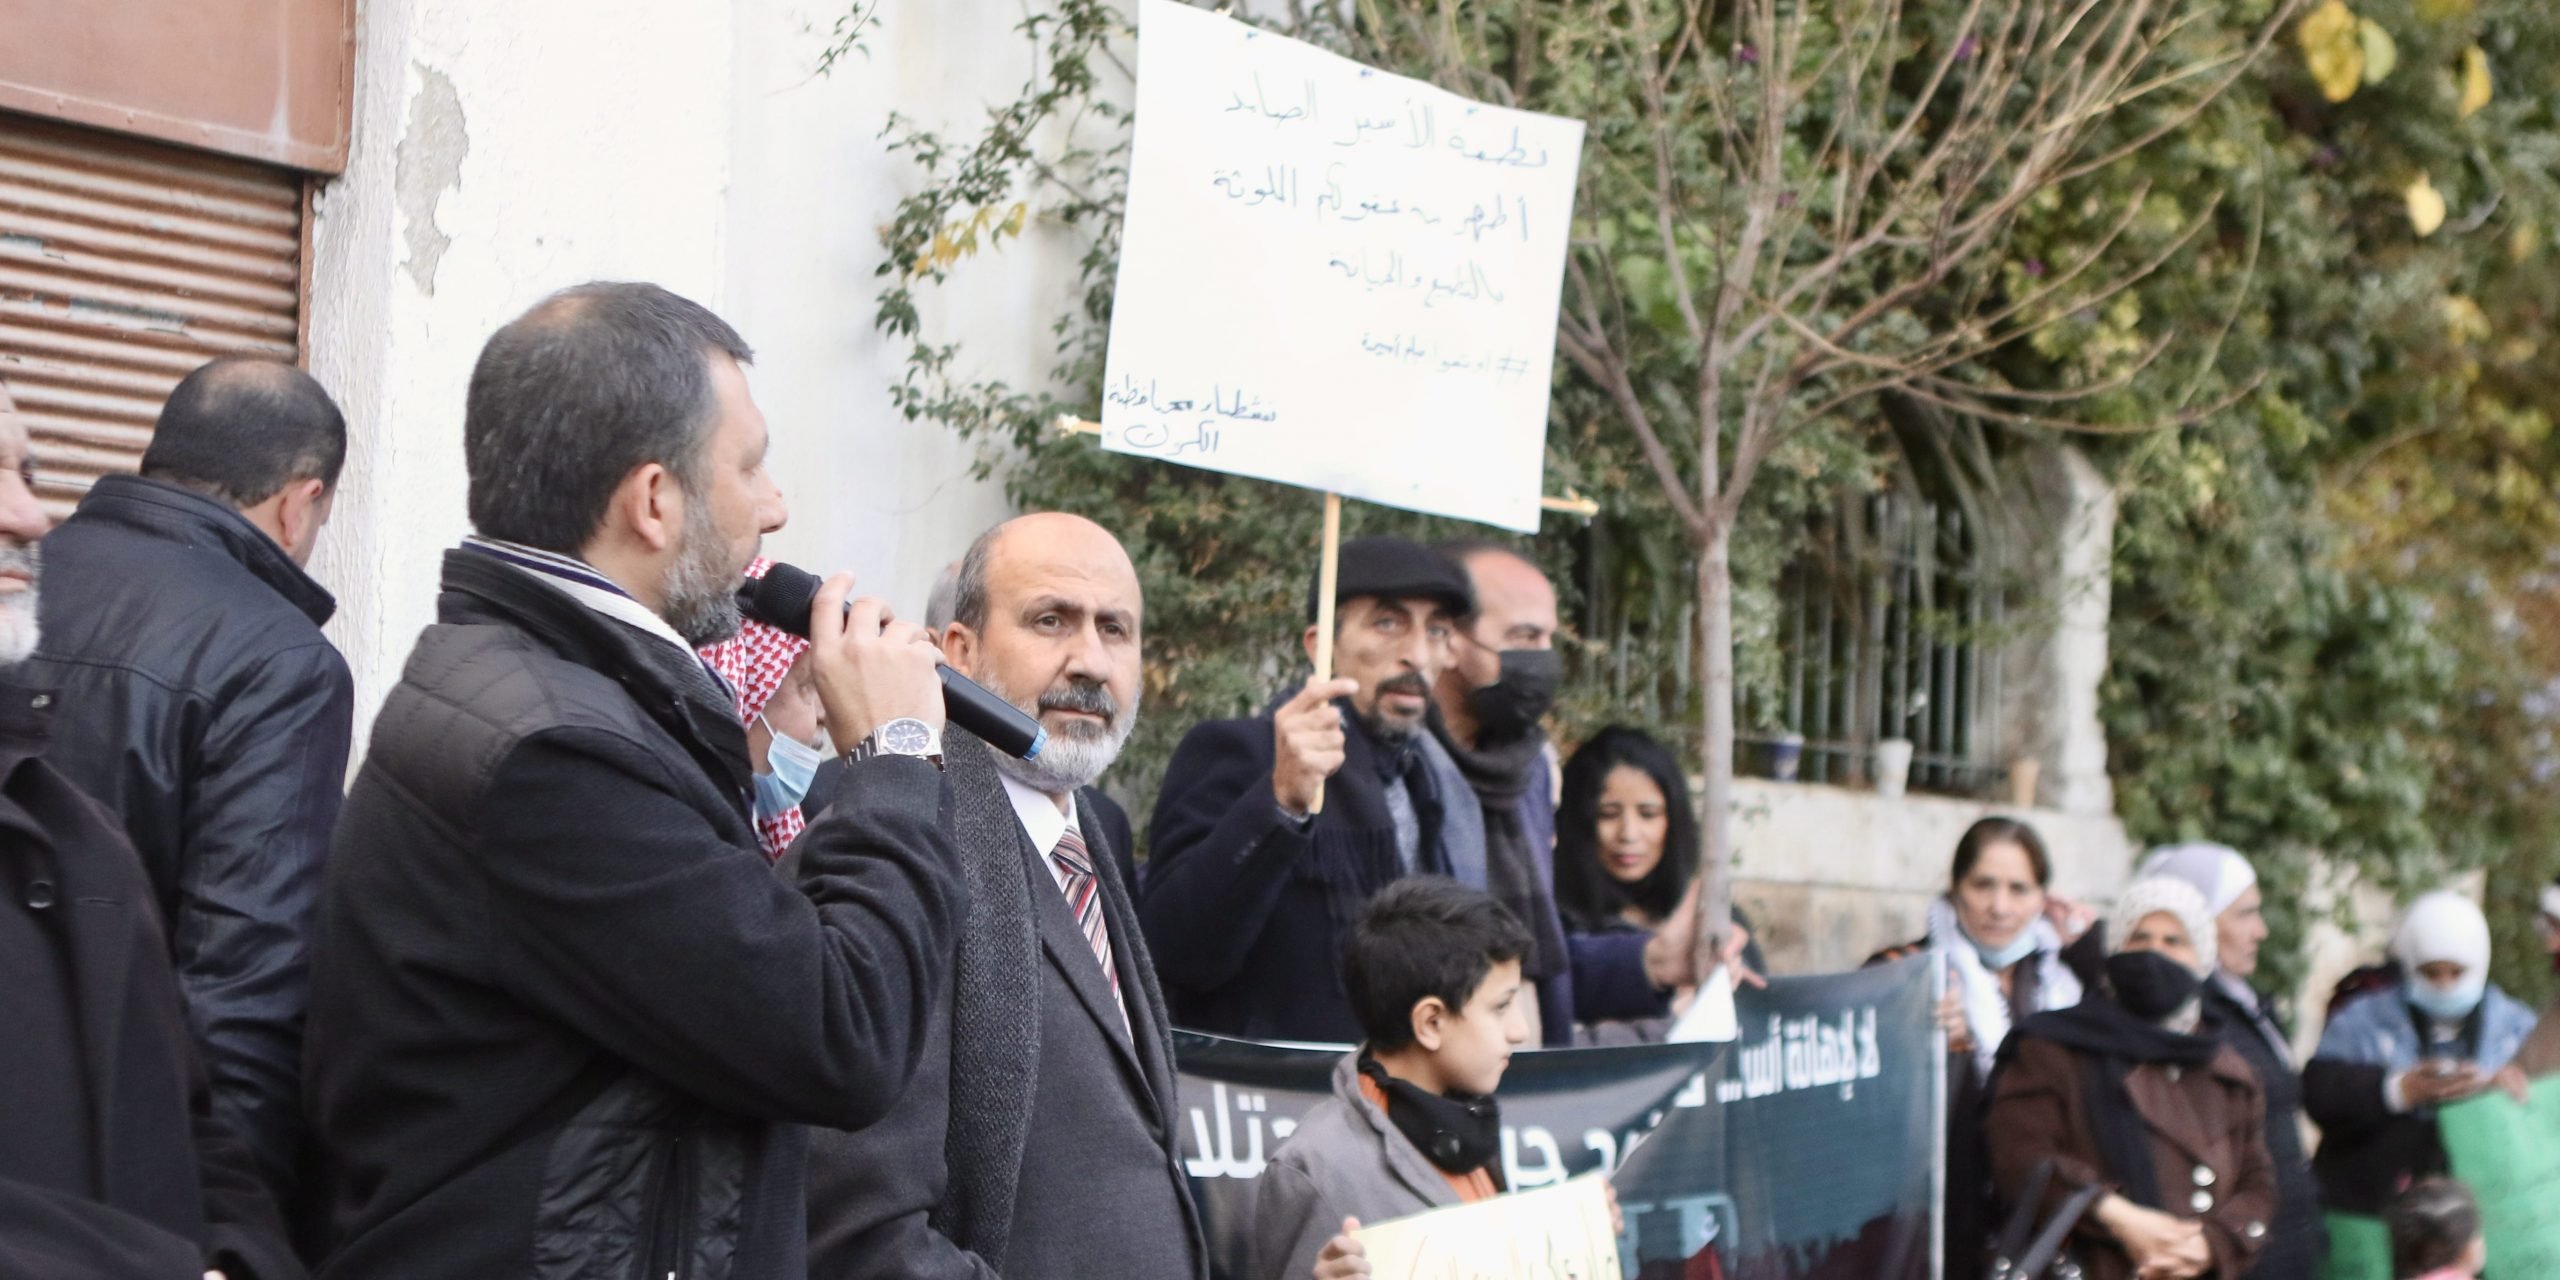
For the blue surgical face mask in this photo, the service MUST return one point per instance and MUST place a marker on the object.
(794, 766)
(2018, 949)
(2449, 1004)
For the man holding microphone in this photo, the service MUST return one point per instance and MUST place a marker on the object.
(565, 1021)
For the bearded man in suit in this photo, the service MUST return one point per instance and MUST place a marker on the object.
(1038, 1139)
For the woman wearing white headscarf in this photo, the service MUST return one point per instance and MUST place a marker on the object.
(2239, 1016)
(2389, 1059)
(2130, 1091)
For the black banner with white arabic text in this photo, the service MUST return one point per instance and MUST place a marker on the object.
(1806, 1150)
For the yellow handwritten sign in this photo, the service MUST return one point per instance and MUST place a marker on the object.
(1554, 1233)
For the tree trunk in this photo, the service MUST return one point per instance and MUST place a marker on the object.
(1715, 695)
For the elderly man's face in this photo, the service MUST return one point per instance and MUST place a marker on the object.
(1060, 639)
(1395, 649)
(22, 524)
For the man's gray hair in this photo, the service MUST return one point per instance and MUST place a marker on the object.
(969, 584)
(938, 603)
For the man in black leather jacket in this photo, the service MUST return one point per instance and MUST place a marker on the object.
(112, 1163)
(565, 1019)
(208, 713)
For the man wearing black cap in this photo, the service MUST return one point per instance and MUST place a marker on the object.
(1247, 889)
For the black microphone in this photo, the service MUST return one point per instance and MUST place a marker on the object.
(782, 599)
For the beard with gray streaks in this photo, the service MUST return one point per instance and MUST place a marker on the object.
(1081, 751)
(701, 588)
(1394, 731)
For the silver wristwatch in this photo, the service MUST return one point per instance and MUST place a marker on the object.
(904, 736)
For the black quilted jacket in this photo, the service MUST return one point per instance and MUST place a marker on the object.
(565, 1021)
(204, 709)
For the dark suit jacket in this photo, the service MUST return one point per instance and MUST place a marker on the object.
(1247, 910)
(1039, 1137)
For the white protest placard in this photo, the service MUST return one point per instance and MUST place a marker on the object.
(1335, 277)
(1710, 1017)
(1554, 1233)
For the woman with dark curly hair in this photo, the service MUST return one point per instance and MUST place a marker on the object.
(1626, 862)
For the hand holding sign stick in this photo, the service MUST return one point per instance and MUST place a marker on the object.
(1328, 564)
(1339, 279)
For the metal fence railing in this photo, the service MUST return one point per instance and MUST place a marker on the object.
(1890, 628)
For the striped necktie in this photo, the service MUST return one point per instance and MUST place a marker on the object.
(1074, 869)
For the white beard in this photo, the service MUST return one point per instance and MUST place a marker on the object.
(18, 628)
(1065, 763)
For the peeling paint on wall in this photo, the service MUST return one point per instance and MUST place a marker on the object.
(429, 163)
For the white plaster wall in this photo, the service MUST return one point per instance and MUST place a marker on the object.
(812, 182)
(503, 150)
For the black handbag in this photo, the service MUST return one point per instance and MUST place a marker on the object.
(2025, 1253)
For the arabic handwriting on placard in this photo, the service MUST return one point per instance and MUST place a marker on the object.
(1173, 442)
(1411, 350)
(1422, 125)
(1334, 203)
(1362, 127)
(1131, 394)
(1244, 406)
(1517, 155)
(1277, 185)
(1237, 403)
(1469, 284)
(1262, 105)
(1402, 348)
(1481, 221)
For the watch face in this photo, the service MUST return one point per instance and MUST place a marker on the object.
(907, 737)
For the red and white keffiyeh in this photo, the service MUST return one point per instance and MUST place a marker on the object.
(754, 662)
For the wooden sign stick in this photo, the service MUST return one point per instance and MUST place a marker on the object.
(1328, 567)
(1328, 573)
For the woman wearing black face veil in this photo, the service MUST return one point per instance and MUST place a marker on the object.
(2121, 1091)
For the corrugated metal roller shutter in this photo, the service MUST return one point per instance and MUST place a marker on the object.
(124, 264)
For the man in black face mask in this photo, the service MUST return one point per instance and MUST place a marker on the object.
(1500, 682)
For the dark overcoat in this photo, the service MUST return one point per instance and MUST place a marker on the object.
(2207, 1138)
(1246, 909)
(138, 1177)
